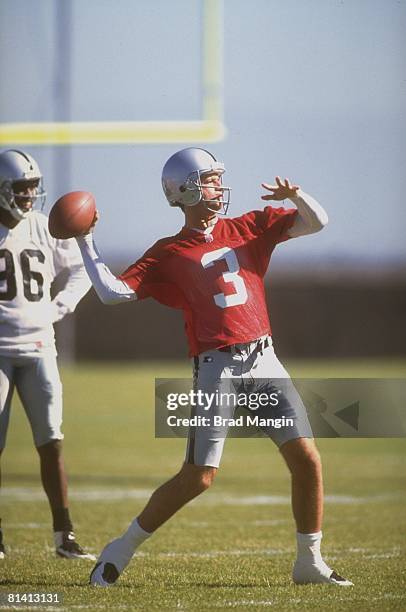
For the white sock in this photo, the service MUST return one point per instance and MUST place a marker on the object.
(121, 550)
(309, 560)
(134, 536)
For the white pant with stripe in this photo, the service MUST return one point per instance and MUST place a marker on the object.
(249, 368)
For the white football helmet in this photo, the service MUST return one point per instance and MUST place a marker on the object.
(181, 178)
(17, 167)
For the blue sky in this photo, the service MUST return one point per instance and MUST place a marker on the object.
(314, 90)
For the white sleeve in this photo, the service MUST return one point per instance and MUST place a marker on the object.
(77, 284)
(110, 289)
(311, 216)
(76, 287)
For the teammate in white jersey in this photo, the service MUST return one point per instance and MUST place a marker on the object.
(30, 259)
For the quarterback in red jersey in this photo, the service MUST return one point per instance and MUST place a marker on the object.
(213, 271)
(216, 278)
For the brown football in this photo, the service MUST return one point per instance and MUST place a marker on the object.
(72, 214)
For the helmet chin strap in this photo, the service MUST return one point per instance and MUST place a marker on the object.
(219, 211)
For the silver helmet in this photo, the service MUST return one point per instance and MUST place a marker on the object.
(17, 167)
(181, 178)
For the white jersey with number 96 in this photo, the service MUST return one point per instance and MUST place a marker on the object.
(30, 259)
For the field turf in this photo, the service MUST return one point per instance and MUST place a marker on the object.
(233, 547)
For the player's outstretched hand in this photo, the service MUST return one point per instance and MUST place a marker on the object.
(280, 191)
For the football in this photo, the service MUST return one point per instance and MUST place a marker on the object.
(72, 215)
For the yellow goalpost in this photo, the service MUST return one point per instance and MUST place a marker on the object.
(209, 128)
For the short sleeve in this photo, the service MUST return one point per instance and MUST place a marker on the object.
(142, 275)
(66, 255)
(274, 222)
(148, 279)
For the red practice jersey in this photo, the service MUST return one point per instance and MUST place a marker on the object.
(217, 278)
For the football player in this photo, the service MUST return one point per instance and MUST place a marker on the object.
(213, 271)
(30, 259)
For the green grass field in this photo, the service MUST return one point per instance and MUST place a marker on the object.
(232, 548)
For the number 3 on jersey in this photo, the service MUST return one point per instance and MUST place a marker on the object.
(231, 276)
(8, 278)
